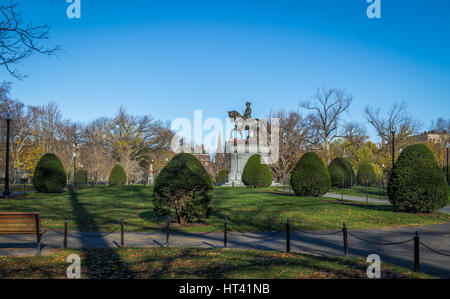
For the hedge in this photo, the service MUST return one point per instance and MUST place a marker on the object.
(117, 176)
(341, 172)
(81, 177)
(310, 176)
(447, 175)
(49, 175)
(222, 176)
(183, 188)
(417, 183)
(256, 173)
(366, 174)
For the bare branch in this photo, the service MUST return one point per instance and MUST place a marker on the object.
(19, 40)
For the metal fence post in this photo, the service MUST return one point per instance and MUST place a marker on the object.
(288, 236)
(345, 235)
(122, 232)
(342, 190)
(66, 222)
(416, 253)
(225, 232)
(167, 231)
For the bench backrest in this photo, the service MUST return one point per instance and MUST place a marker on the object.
(19, 223)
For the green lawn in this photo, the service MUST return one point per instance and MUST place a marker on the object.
(193, 263)
(373, 192)
(100, 209)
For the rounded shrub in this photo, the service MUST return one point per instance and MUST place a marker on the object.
(81, 177)
(256, 173)
(49, 175)
(222, 176)
(117, 176)
(446, 174)
(417, 183)
(183, 188)
(310, 176)
(341, 172)
(366, 174)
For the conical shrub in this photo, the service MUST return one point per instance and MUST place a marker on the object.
(117, 177)
(417, 183)
(310, 176)
(49, 175)
(341, 172)
(183, 188)
(366, 175)
(256, 173)
(222, 176)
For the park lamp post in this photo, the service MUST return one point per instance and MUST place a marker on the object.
(75, 148)
(74, 166)
(7, 192)
(393, 146)
(447, 146)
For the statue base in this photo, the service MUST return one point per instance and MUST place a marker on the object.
(238, 160)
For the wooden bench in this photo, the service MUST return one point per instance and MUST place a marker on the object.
(18, 223)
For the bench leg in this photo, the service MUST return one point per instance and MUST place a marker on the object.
(38, 246)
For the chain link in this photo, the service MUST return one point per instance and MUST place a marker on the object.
(379, 243)
(258, 238)
(318, 234)
(433, 250)
(100, 235)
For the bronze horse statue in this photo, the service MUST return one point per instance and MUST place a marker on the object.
(239, 120)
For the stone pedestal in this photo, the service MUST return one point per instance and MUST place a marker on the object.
(239, 156)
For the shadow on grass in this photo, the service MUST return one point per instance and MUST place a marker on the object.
(150, 216)
(83, 219)
(364, 206)
(212, 264)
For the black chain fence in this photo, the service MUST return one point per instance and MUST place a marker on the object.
(434, 250)
(263, 236)
(380, 243)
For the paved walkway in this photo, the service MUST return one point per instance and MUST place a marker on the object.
(435, 236)
(372, 200)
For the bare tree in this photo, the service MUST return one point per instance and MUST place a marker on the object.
(128, 139)
(355, 133)
(48, 124)
(327, 107)
(441, 125)
(355, 145)
(294, 137)
(396, 120)
(18, 39)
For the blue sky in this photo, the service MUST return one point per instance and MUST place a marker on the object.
(167, 58)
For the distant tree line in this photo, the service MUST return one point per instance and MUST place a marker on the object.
(320, 125)
(139, 143)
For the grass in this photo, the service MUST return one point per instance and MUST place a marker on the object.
(193, 263)
(101, 208)
(373, 192)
